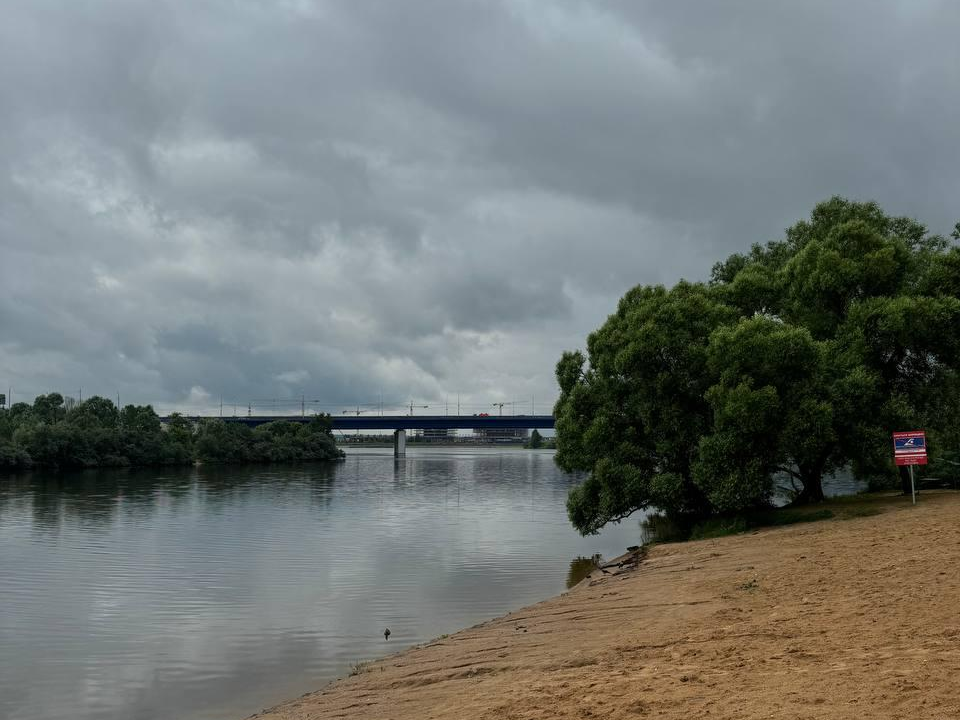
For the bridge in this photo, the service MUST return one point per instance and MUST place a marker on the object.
(399, 424)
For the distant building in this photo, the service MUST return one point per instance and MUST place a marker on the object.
(504, 435)
(437, 434)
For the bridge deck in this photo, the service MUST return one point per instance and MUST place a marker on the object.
(408, 422)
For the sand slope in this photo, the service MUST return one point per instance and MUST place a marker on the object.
(857, 618)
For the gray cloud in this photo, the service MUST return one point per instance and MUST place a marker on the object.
(344, 199)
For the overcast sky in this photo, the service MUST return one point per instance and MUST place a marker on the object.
(267, 198)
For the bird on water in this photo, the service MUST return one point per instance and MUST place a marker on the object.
(386, 634)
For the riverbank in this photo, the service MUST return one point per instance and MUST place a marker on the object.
(841, 618)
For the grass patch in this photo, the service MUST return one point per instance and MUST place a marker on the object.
(723, 526)
(663, 529)
(359, 668)
(718, 527)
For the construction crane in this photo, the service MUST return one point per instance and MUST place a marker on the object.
(412, 406)
(356, 412)
(501, 404)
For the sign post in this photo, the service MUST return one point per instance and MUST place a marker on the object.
(910, 448)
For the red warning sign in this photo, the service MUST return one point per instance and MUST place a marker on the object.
(910, 448)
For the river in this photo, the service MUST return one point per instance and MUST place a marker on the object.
(211, 593)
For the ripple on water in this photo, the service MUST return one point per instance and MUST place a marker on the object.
(212, 593)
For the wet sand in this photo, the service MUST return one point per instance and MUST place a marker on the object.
(856, 618)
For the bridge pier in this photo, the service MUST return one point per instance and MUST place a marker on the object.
(400, 443)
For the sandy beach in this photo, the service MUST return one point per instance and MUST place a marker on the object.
(843, 618)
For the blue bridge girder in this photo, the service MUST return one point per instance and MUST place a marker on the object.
(401, 422)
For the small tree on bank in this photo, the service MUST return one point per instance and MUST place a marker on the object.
(797, 358)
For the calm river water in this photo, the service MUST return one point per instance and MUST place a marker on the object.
(212, 593)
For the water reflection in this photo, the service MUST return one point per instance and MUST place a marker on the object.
(213, 592)
(93, 499)
(657, 527)
(581, 567)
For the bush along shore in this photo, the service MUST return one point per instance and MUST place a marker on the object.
(57, 434)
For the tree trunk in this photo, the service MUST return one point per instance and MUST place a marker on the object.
(812, 491)
(905, 479)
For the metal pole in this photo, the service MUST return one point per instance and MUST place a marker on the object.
(913, 489)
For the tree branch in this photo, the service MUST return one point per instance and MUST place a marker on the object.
(788, 471)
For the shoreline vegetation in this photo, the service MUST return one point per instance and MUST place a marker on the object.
(55, 433)
(747, 625)
(795, 360)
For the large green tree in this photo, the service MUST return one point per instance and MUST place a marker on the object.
(797, 358)
(634, 410)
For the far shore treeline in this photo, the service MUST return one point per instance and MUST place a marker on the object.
(58, 434)
(796, 359)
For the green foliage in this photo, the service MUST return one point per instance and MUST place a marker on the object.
(281, 441)
(48, 408)
(735, 524)
(95, 433)
(291, 442)
(95, 412)
(634, 418)
(13, 457)
(536, 440)
(797, 358)
(221, 442)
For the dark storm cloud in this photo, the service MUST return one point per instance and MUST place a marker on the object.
(246, 198)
